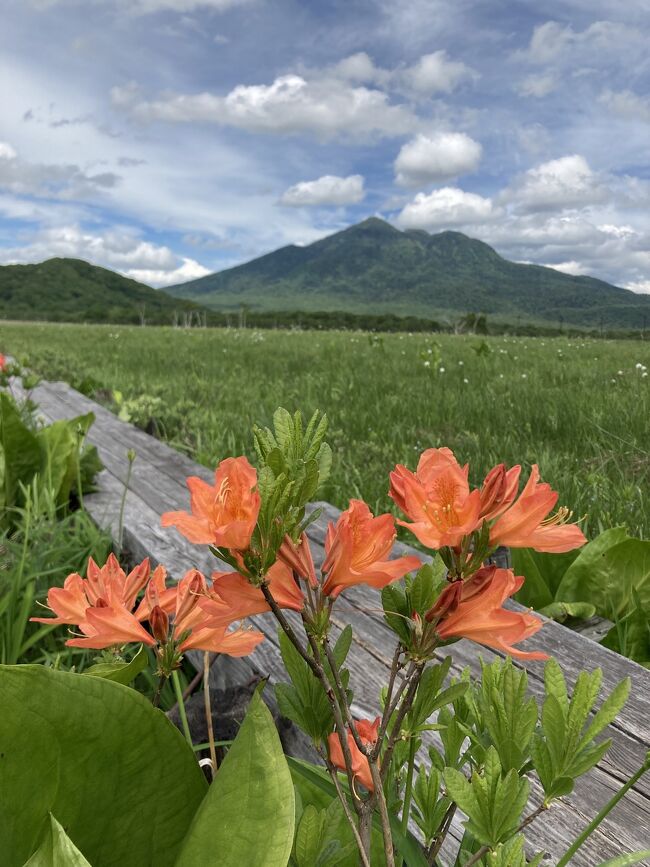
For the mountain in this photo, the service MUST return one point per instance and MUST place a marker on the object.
(71, 290)
(374, 267)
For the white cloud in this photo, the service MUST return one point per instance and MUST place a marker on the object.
(427, 159)
(641, 287)
(436, 73)
(576, 269)
(189, 269)
(6, 151)
(327, 190)
(553, 42)
(538, 85)
(56, 181)
(563, 183)
(445, 207)
(290, 105)
(626, 104)
(120, 250)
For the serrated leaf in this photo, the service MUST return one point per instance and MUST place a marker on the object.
(555, 683)
(283, 427)
(608, 711)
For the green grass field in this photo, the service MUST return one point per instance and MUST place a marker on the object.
(578, 408)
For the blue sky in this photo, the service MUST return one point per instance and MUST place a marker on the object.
(169, 138)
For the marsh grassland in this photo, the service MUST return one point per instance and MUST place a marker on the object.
(578, 408)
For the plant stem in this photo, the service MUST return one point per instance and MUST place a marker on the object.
(437, 843)
(288, 630)
(156, 697)
(383, 814)
(609, 806)
(405, 706)
(208, 710)
(181, 708)
(408, 788)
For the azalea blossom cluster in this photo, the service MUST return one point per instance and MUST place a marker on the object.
(446, 515)
(4, 363)
(104, 607)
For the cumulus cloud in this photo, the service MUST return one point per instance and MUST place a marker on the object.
(641, 287)
(327, 190)
(576, 269)
(121, 250)
(428, 159)
(562, 183)
(290, 105)
(436, 73)
(445, 207)
(626, 104)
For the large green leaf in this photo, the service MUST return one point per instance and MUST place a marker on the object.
(57, 850)
(113, 770)
(607, 571)
(631, 634)
(248, 815)
(20, 455)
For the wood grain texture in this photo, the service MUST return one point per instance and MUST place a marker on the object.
(158, 484)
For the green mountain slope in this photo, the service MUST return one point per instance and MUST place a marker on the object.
(71, 290)
(373, 267)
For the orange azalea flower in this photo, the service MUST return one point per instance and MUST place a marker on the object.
(437, 499)
(233, 597)
(473, 609)
(223, 514)
(4, 364)
(236, 642)
(498, 491)
(106, 585)
(525, 524)
(108, 626)
(368, 733)
(298, 557)
(357, 550)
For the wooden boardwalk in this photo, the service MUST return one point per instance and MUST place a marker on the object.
(158, 485)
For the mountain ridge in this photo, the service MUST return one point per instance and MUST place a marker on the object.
(416, 273)
(73, 290)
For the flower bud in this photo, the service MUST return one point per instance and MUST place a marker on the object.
(159, 622)
(493, 490)
(447, 602)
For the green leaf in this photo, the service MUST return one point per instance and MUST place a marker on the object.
(248, 815)
(309, 836)
(20, 453)
(396, 613)
(424, 590)
(535, 591)
(607, 571)
(115, 772)
(57, 850)
(630, 636)
(561, 611)
(121, 672)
